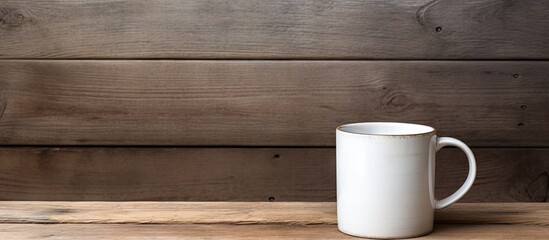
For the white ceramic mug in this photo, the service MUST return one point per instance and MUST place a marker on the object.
(386, 178)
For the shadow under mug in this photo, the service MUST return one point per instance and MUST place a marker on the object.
(386, 178)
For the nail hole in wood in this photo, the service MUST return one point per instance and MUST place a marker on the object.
(520, 124)
(516, 75)
(523, 107)
(438, 29)
(276, 156)
(271, 199)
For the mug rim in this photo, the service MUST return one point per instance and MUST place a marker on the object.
(429, 130)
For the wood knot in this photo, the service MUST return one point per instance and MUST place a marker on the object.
(538, 189)
(12, 18)
(396, 102)
(421, 12)
(61, 211)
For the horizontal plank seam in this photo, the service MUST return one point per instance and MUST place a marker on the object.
(541, 147)
(281, 59)
(290, 223)
(293, 223)
(159, 146)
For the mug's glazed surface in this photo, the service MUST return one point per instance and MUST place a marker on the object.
(385, 179)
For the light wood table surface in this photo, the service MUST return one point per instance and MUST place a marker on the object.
(247, 220)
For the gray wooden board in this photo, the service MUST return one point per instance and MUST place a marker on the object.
(280, 29)
(242, 174)
(267, 103)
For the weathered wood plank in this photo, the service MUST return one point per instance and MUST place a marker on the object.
(495, 213)
(267, 103)
(219, 220)
(292, 213)
(200, 174)
(289, 213)
(379, 29)
(503, 175)
(242, 174)
(223, 231)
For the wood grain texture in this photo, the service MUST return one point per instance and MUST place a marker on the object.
(350, 29)
(223, 231)
(220, 220)
(242, 174)
(247, 213)
(495, 213)
(291, 213)
(267, 103)
(199, 174)
(503, 175)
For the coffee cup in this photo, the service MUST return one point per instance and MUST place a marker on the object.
(386, 178)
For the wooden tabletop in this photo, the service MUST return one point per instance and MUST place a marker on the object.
(247, 220)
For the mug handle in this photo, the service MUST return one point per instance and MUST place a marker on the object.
(448, 141)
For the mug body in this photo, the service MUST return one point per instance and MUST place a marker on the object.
(385, 179)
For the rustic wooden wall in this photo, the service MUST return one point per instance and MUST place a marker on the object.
(239, 100)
